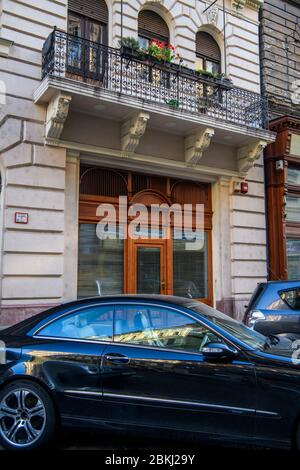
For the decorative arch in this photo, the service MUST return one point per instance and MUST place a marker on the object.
(152, 25)
(149, 197)
(102, 182)
(159, 8)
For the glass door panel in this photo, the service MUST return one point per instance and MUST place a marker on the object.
(74, 46)
(148, 270)
(190, 267)
(95, 34)
(100, 264)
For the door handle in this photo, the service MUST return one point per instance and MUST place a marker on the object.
(117, 358)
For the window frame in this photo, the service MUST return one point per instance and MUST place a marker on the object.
(85, 21)
(145, 306)
(292, 226)
(34, 333)
(85, 45)
(206, 58)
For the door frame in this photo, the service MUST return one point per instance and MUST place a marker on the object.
(166, 266)
(88, 204)
(84, 42)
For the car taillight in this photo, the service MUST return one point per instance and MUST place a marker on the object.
(253, 317)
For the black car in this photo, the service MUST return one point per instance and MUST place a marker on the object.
(146, 362)
(275, 309)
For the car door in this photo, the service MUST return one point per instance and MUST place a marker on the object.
(154, 374)
(68, 352)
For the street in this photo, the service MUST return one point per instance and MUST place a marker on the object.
(85, 440)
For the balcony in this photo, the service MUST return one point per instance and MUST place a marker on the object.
(145, 105)
(170, 86)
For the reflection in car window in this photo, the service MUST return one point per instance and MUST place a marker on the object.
(277, 305)
(250, 337)
(161, 327)
(292, 298)
(93, 323)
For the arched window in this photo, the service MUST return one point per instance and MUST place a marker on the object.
(208, 53)
(88, 19)
(152, 26)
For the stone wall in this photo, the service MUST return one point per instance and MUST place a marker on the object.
(38, 261)
(32, 257)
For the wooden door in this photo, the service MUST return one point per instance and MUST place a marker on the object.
(148, 267)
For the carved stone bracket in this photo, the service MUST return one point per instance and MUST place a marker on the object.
(57, 114)
(133, 130)
(212, 15)
(248, 155)
(196, 144)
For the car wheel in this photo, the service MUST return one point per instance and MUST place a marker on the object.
(27, 416)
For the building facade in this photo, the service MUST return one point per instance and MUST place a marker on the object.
(280, 64)
(84, 121)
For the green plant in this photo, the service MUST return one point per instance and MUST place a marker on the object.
(161, 51)
(174, 103)
(131, 43)
(206, 73)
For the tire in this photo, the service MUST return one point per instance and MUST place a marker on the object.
(27, 416)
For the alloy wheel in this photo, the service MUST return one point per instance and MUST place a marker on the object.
(22, 417)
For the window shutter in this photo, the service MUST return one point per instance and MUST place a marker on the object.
(207, 46)
(152, 25)
(94, 9)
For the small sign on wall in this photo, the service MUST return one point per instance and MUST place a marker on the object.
(21, 217)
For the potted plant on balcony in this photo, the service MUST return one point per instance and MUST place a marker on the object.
(215, 78)
(161, 51)
(130, 48)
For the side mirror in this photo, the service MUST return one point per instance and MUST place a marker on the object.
(218, 351)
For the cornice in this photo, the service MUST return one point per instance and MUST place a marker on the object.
(285, 123)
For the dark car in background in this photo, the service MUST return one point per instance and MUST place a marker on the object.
(274, 309)
(149, 364)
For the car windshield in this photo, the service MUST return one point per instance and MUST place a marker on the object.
(241, 332)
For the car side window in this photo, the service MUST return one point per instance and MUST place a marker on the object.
(91, 323)
(292, 298)
(160, 327)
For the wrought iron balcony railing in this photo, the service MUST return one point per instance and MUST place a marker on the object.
(142, 77)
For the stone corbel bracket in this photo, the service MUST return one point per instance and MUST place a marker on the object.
(248, 155)
(132, 131)
(197, 144)
(57, 113)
